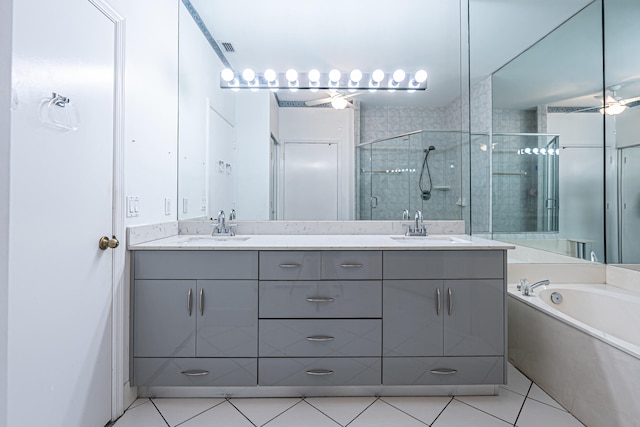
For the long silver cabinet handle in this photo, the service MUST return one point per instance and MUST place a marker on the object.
(201, 301)
(351, 265)
(289, 265)
(439, 302)
(189, 302)
(195, 373)
(320, 372)
(444, 371)
(321, 299)
(450, 302)
(320, 338)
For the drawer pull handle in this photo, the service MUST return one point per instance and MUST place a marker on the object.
(201, 301)
(450, 303)
(439, 302)
(351, 265)
(444, 371)
(289, 265)
(320, 372)
(320, 338)
(321, 299)
(195, 373)
(189, 302)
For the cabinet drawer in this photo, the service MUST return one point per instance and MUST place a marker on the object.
(319, 372)
(290, 265)
(195, 372)
(443, 370)
(443, 264)
(316, 338)
(317, 299)
(352, 265)
(196, 264)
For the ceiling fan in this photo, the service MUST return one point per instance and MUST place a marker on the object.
(338, 100)
(613, 104)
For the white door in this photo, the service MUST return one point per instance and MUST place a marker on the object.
(311, 181)
(60, 344)
(630, 205)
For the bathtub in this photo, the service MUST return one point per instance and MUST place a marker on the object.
(584, 351)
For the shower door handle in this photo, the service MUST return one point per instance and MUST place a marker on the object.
(374, 202)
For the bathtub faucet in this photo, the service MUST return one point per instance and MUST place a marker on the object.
(527, 290)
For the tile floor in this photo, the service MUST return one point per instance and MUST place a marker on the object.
(519, 403)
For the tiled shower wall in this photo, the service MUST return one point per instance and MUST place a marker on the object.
(396, 164)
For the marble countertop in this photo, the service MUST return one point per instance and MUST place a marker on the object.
(321, 242)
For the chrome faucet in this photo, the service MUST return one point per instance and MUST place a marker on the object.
(405, 214)
(221, 229)
(527, 289)
(419, 229)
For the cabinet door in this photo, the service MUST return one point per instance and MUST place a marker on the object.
(413, 317)
(474, 318)
(164, 322)
(227, 312)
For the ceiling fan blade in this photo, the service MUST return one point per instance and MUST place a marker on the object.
(628, 101)
(351, 95)
(315, 102)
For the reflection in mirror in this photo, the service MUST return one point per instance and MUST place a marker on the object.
(277, 155)
(545, 147)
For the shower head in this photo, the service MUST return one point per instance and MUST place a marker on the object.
(431, 148)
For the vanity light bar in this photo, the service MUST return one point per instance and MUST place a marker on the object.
(315, 80)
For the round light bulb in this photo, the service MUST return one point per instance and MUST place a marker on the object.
(356, 75)
(314, 76)
(527, 150)
(227, 74)
(334, 75)
(248, 74)
(291, 75)
(543, 151)
(535, 150)
(377, 76)
(270, 75)
(420, 76)
(399, 75)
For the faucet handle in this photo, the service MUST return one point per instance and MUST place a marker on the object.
(523, 283)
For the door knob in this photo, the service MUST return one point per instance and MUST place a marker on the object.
(106, 242)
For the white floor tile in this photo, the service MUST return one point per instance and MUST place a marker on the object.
(261, 411)
(538, 394)
(460, 414)
(222, 415)
(536, 414)
(138, 402)
(341, 409)
(505, 406)
(381, 414)
(516, 381)
(426, 409)
(143, 415)
(300, 415)
(176, 411)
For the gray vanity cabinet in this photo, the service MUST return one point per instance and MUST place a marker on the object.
(444, 317)
(198, 329)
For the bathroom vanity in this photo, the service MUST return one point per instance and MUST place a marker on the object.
(298, 314)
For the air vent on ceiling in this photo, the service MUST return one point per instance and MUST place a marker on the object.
(228, 47)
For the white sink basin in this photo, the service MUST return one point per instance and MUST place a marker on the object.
(212, 239)
(435, 239)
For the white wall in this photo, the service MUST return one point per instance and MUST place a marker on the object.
(151, 99)
(627, 126)
(253, 141)
(326, 124)
(580, 174)
(5, 172)
(206, 126)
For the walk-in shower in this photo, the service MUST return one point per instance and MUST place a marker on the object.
(418, 170)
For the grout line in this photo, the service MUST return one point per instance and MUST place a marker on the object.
(443, 409)
(404, 412)
(488, 413)
(200, 413)
(163, 418)
(523, 402)
(264, 424)
(241, 413)
(362, 412)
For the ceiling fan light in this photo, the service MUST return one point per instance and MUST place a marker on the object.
(613, 109)
(339, 103)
